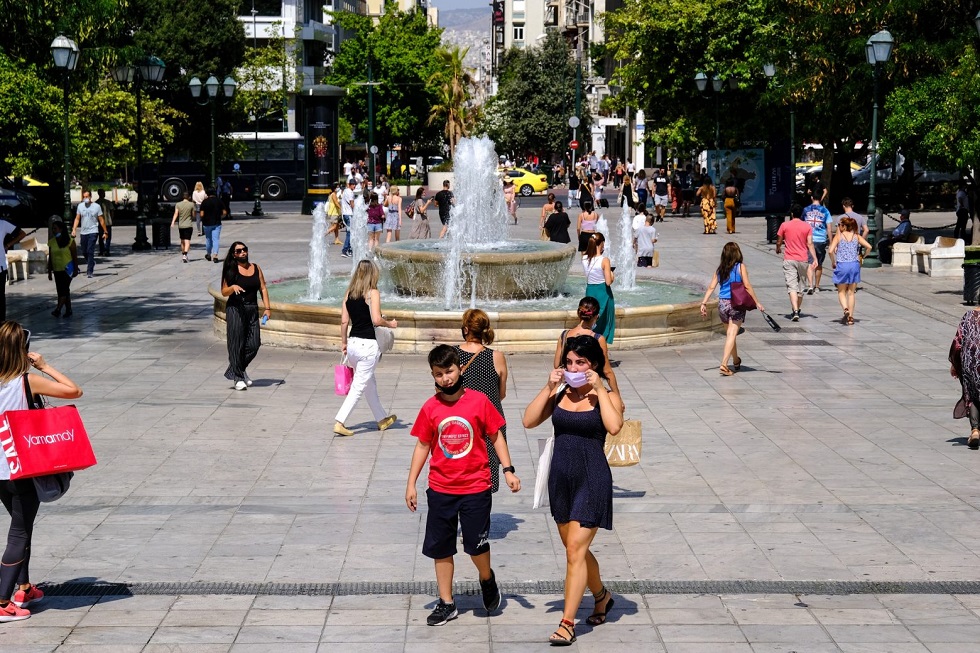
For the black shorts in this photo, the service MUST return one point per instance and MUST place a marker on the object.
(448, 512)
(821, 249)
(444, 218)
(185, 233)
(688, 194)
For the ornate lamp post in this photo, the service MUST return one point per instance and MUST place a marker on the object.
(147, 70)
(256, 191)
(213, 86)
(878, 50)
(701, 81)
(770, 70)
(65, 53)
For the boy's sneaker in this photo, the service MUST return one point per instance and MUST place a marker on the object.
(444, 613)
(11, 612)
(491, 593)
(796, 316)
(23, 598)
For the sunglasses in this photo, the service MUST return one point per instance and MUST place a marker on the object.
(241, 250)
(27, 339)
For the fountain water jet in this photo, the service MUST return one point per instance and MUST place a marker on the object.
(318, 254)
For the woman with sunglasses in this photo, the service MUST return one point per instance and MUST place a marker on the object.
(580, 488)
(19, 497)
(241, 282)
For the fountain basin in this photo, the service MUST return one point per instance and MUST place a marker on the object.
(524, 269)
(517, 329)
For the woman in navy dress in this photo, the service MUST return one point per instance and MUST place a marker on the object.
(582, 410)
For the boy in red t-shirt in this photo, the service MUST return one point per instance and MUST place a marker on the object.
(456, 420)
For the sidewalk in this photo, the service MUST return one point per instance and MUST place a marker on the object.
(237, 521)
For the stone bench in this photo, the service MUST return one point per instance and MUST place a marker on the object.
(943, 258)
(902, 254)
(17, 261)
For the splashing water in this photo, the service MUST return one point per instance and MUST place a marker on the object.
(623, 252)
(479, 217)
(359, 232)
(318, 254)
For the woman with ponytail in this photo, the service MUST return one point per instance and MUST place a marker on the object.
(599, 277)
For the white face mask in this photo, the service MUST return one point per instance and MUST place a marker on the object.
(88, 201)
(575, 379)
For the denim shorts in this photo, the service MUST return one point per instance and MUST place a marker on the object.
(372, 227)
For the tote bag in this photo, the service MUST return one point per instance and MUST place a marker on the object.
(343, 376)
(541, 499)
(39, 442)
(624, 448)
(49, 487)
(741, 299)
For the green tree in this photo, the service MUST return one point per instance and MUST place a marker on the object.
(32, 117)
(400, 49)
(453, 84)
(535, 97)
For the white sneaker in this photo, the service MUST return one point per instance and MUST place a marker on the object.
(248, 381)
(240, 385)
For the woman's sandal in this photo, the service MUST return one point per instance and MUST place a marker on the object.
(847, 315)
(725, 371)
(557, 639)
(598, 618)
(974, 441)
(850, 320)
(737, 364)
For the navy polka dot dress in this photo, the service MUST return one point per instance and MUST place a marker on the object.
(482, 376)
(580, 483)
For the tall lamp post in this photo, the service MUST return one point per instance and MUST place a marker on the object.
(701, 81)
(213, 87)
(147, 69)
(878, 50)
(770, 70)
(65, 52)
(256, 192)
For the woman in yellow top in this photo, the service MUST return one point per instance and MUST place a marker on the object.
(333, 214)
(62, 265)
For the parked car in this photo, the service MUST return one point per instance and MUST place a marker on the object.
(527, 182)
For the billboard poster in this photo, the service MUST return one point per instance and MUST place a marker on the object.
(748, 168)
(320, 144)
(498, 12)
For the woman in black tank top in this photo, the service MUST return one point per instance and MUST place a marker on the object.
(241, 283)
(361, 310)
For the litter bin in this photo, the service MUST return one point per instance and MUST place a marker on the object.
(772, 226)
(971, 283)
(161, 234)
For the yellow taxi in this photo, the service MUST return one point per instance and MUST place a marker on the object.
(526, 182)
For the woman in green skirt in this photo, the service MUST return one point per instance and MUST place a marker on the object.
(599, 277)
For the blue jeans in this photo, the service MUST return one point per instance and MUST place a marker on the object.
(88, 250)
(346, 248)
(211, 236)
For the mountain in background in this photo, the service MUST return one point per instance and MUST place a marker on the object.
(466, 28)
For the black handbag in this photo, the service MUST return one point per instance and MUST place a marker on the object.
(49, 487)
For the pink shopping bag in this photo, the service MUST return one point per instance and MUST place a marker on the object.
(343, 376)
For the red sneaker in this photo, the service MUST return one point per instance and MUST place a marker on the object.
(23, 598)
(11, 612)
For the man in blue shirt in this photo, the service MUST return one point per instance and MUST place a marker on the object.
(818, 217)
(902, 233)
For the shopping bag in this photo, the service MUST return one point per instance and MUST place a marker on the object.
(39, 442)
(624, 448)
(343, 376)
(741, 299)
(656, 259)
(49, 487)
(385, 337)
(544, 469)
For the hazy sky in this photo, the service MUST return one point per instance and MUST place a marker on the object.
(461, 4)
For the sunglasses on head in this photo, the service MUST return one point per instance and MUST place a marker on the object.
(241, 250)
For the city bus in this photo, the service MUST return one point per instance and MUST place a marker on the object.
(279, 170)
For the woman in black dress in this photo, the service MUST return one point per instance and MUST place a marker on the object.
(557, 224)
(241, 282)
(484, 370)
(582, 410)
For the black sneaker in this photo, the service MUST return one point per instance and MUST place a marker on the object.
(491, 593)
(796, 316)
(809, 290)
(444, 613)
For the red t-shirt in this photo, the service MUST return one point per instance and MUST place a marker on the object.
(454, 431)
(795, 234)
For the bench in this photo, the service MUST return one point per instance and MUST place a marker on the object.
(16, 262)
(902, 254)
(943, 258)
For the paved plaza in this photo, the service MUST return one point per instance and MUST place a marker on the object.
(822, 499)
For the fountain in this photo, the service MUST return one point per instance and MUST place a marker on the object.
(522, 284)
(318, 255)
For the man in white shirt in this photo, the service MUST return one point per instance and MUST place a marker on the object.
(11, 234)
(347, 214)
(644, 240)
(88, 220)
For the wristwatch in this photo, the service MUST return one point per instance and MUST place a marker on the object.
(509, 469)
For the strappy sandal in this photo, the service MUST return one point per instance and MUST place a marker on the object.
(557, 639)
(850, 320)
(598, 618)
(974, 441)
(737, 364)
(725, 371)
(847, 315)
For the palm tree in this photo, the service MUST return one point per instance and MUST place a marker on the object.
(453, 84)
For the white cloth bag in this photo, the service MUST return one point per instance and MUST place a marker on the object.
(541, 480)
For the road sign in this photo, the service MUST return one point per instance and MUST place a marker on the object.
(573, 145)
(573, 122)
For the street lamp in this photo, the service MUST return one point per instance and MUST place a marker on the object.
(212, 86)
(65, 53)
(147, 69)
(256, 192)
(770, 70)
(878, 50)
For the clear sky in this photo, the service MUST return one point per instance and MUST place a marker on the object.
(461, 4)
